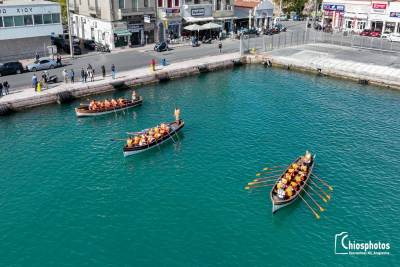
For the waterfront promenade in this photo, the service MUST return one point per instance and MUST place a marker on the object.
(27, 97)
(379, 67)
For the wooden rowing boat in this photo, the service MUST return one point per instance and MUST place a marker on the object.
(135, 149)
(85, 112)
(278, 202)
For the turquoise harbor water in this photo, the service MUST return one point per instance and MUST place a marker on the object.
(68, 197)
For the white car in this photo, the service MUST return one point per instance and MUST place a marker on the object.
(385, 34)
(394, 37)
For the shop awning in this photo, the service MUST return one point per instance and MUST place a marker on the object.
(194, 19)
(123, 33)
(359, 16)
(241, 15)
(226, 18)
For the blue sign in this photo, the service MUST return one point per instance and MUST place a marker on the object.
(333, 7)
(395, 14)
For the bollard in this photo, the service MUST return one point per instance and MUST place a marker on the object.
(270, 46)
(39, 88)
(152, 68)
(163, 61)
(252, 50)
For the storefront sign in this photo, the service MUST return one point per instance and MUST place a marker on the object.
(149, 26)
(333, 7)
(328, 14)
(395, 14)
(198, 12)
(135, 27)
(378, 8)
(175, 22)
(172, 10)
(146, 18)
(119, 26)
(341, 14)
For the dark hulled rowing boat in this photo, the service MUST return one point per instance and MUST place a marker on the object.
(85, 112)
(278, 202)
(175, 128)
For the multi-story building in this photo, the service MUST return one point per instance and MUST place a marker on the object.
(259, 13)
(26, 27)
(117, 23)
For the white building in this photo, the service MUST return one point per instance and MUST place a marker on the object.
(26, 27)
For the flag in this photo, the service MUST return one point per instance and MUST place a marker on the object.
(354, 22)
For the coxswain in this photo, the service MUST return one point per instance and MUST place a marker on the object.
(177, 113)
(162, 126)
(307, 159)
(113, 102)
(129, 142)
(133, 96)
(107, 103)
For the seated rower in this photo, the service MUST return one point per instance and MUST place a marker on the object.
(151, 132)
(121, 101)
(157, 135)
(133, 96)
(284, 181)
(129, 142)
(162, 126)
(113, 102)
(156, 130)
(298, 178)
(136, 140)
(91, 104)
(293, 185)
(150, 138)
(304, 168)
(295, 167)
(107, 103)
(100, 104)
(94, 106)
(167, 128)
(289, 191)
(162, 131)
(279, 186)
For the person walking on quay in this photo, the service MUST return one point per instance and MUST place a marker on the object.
(89, 67)
(103, 70)
(72, 75)
(82, 75)
(44, 78)
(113, 71)
(59, 59)
(90, 72)
(153, 65)
(65, 75)
(85, 75)
(6, 87)
(220, 47)
(37, 56)
(34, 80)
(1, 90)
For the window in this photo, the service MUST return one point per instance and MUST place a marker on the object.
(38, 19)
(176, 2)
(8, 22)
(134, 4)
(47, 18)
(1, 22)
(196, 2)
(121, 4)
(146, 3)
(18, 21)
(160, 3)
(28, 20)
(169, 3)
(56, 18)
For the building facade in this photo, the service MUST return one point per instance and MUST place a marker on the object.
(259, 14)
(359, 15)
(117, 23)
(26, 27)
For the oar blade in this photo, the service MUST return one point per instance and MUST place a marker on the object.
(250, 183)
(255, 180)
(247, 187)
(321, 209)
(325, 200)
(330, 188)
(317, 216)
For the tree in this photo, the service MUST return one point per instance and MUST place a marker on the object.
(63, 9)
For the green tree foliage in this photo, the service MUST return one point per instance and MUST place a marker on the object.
(295, 5)
(63, 9)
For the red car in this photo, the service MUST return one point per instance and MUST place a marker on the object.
(365, 32)
(376, 33)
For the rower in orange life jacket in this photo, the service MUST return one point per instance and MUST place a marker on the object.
(129, 142)
(295, 167)
(289, 191)
(156, 130)
(136, 140)
(157, 135)
(100, 104)
(107, 103)
(162, 132)
(94, 106)
(177, 113)
(162, 126)
(91, 104)
(167, 128)
(113, 102)
(133, 96)
(120, 101)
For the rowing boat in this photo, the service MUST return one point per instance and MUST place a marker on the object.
(176, 126)
(85, 112)
(277, 202)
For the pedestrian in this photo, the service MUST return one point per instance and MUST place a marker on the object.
(34, 80)
(72, 75)
(220, 47)
(113, 71)
(6, 87)
(103, 70)
(59, 59)
(89, 67)
(44, 78)
(37, 56)
(1, 90)
(86, 74)
(82, 75)
(92, 73)
(65, 75)
(153, 65)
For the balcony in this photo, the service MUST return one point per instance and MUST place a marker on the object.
(197, 2)
(74, 8)
(168, 13)
(96, 11)
(135, 11)
(224, 11)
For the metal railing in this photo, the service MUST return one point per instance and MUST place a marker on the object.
(197, 2)
(137, 9)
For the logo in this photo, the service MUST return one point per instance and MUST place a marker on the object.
(333, 7)
(198, 12)
(343, 245)
(378, 6)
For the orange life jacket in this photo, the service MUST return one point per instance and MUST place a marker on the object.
(151, 133)
(177, 112)
(295, 167)
(136, 140)
(289, 191)
(298, 178)
(157, 136)
(134, 96)
(293, 184)
(94, 106)
(156, 130)
(279, 186)
(129, 142)
(163, 126)
(107, 103)
(114, 102)
(162, 132)
(120, 101)
(167, 128)
(304, 168)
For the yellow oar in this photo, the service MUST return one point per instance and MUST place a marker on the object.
(309, 206)
(249, 187)
(316, 193)
(84, 104)
(263, 178)
(320, 189)
(266, 181)
(258, 174)
(323, 182)
(313, 200)
(275, 167)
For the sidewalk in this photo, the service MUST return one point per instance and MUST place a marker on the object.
(22, 98)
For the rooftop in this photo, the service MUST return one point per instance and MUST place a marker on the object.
(26, 3)
(246, 4)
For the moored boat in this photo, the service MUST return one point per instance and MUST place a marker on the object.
(176, 126)
(280, 200)
(85, 112)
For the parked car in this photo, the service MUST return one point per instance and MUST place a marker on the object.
(75, 40)
(77, 49)
(365, 32)
(11, 68)
(161, 46)
(89, 44)
(41, 64)
(376, 33)
(385, 35)
(59, 42)
(394, 37)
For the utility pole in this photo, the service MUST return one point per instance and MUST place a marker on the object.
(315, 13)
(280, 11)
(69, 31)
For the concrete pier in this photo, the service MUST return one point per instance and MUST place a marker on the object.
(27, 97)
